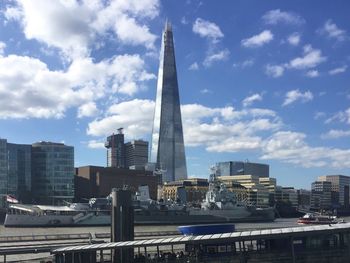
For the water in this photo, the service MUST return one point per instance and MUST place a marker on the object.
(13, 231)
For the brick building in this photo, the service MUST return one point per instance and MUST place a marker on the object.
(96, 181)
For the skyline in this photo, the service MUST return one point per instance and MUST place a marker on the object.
(268, 84)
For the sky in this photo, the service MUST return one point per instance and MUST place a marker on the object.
(259, 81)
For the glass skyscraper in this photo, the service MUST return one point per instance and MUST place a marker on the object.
(19, 171)
(52, 172)
(168, 151)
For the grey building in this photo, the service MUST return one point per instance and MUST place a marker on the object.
(136, 153)
(340, 185)
(242, 168)
(19, 171)
(52, 172)
(168, 149)
(3, 171)
(321, 195)
(116, 150)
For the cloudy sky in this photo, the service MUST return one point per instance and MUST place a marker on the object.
(264, 81)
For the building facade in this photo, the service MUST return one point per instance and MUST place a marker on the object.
(136, 153)
(20, 171)
(242, 168)
(116, 150)
(257, 194)
(3, 171)
(321, 195)
(189, 190)
(340, 185)
(52, 173)
(96, 181)
(168, 149)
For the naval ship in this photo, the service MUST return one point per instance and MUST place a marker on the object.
(219, 206)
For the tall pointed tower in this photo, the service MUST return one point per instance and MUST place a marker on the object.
(168, 149)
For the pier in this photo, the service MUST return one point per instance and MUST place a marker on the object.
(325, 243)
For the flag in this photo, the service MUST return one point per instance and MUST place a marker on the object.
(11, 199)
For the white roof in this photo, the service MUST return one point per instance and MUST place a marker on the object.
(217, 238)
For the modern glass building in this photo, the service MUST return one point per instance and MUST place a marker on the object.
(52, 173)
(242, 168)
(3, 171)
(168, 150)
(19, 171)
(341, 185)
(116, 150)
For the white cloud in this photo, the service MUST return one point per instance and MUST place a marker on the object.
(258, 40)
(251, 99)
(88, 110)
(332, 31)
(338, 70)
(96, 144)
(248, 63)
(295, 95)
(2, 47)
(291, 147)
(194, 66)
(312, 73)
(207, 29)
(294, 39)
(335, 134)
(319, 114)
(134, 116)
(274, 71)
(29, 89)
(205, 91)
(276, 16)
(215, 57)
(74, 26)
(340, 116)
(312, 58)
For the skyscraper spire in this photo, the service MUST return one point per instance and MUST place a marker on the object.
(168, 149)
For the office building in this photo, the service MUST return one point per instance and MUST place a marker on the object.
(242, 168)
(20, 171)
(116, 150)
(136, 153)
(3, 171)
(290, 196)
(52, 173)
(340, 187)
(188, 190)
(304, 198)
(97, 181)
(321, 195)
(168, 149)
(257, 194)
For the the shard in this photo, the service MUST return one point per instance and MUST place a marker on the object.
(168, 150)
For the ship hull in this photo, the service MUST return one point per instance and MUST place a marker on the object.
(18, 220)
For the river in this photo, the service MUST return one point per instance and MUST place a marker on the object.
(13, 231)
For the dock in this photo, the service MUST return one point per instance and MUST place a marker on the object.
(322, 243)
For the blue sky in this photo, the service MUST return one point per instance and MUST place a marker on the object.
(264, 81)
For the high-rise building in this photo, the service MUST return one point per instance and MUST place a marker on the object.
(321, 195)
(136, 153)
(168, 149)
(19, 171)
(3, 171)
(340, 185)
(242, 168)
(52, 173)
(116, 150)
